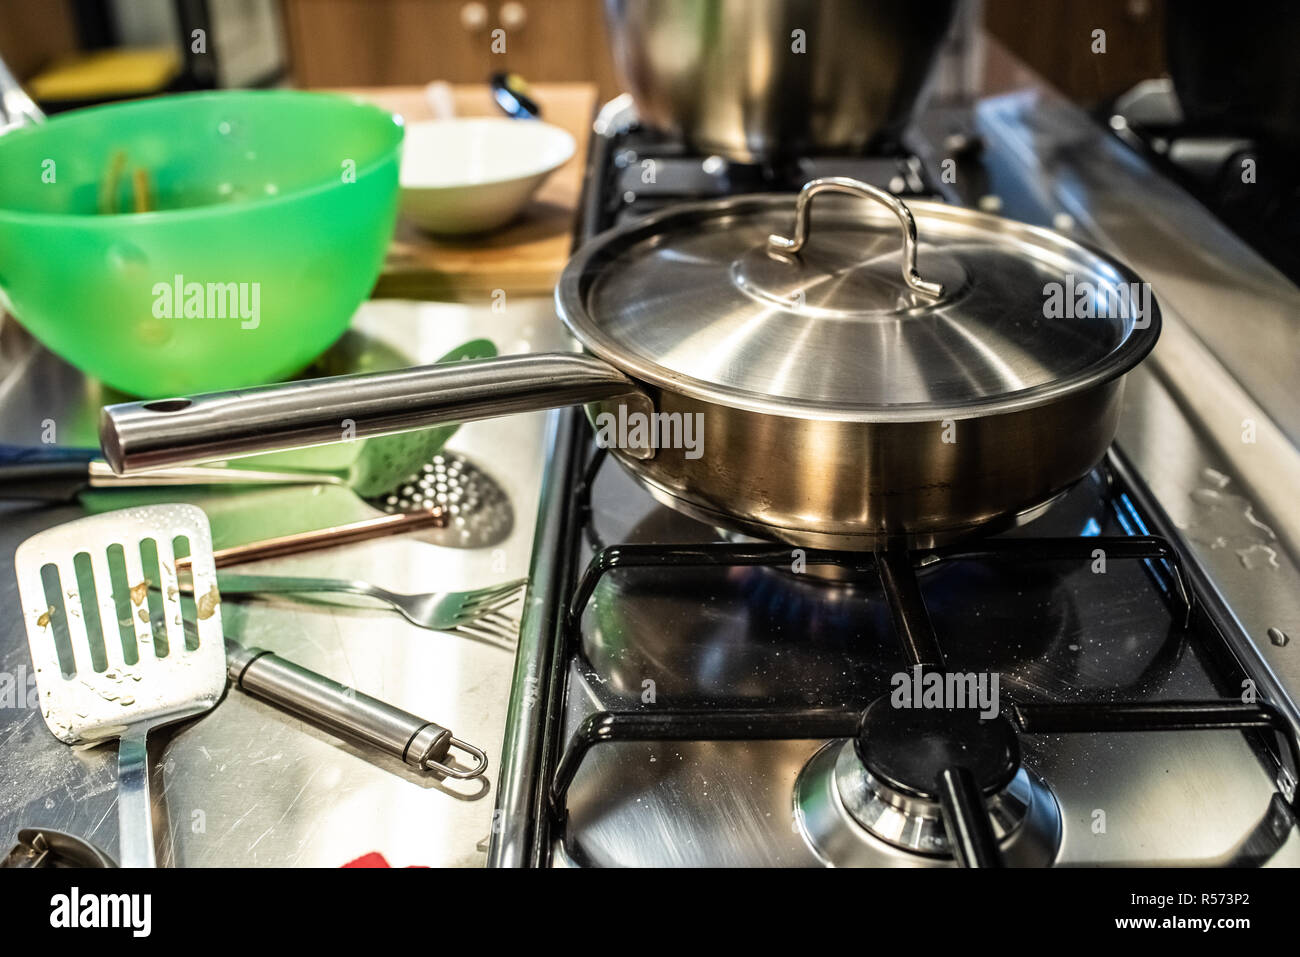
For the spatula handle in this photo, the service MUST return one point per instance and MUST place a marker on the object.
(134, 808)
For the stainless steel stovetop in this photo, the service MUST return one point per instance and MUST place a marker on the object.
(681, 700)
(735, 638)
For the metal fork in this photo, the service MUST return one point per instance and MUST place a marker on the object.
(478, 613)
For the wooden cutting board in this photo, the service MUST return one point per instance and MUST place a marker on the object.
(523, 258)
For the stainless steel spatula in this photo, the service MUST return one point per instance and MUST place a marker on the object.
(105, 614)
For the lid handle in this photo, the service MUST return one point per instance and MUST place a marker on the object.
(844, 184)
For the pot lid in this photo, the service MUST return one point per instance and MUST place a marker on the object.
(855, 310)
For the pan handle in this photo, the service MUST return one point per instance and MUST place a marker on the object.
(843, 184)
(222, 425)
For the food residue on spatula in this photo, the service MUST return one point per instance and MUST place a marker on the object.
(138, 592)
(208, 603)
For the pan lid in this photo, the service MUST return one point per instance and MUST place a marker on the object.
(871, 311)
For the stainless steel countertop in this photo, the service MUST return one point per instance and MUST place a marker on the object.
(247, 784)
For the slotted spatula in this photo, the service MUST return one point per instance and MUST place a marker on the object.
(111, 652)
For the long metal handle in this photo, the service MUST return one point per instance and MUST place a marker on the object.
(287, 584)
(843, 184)
(134, 808)
(349, 713)
(101, 475)
(324, 537)
(223, 425)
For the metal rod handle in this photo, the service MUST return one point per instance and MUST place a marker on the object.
(222, 425)
(102, 475)
(349, 713)
(298, 542)
(234, 584)
(843, 184)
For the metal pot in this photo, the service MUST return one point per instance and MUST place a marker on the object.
(757, 79)
(844, 400)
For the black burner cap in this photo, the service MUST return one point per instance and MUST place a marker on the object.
(908, 748)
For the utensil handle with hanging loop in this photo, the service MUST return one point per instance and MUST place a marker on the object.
(349, 713)
(134, 807)
(853, 187)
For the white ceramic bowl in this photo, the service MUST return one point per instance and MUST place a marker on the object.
(474, 174)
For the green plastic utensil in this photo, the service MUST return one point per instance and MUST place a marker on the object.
(272, 214)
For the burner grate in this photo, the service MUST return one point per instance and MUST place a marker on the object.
(962, 803)
(646, 173)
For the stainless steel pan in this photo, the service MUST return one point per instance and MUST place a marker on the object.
(852, 388)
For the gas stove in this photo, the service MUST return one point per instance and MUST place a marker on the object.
(687, 697)
(642, 171)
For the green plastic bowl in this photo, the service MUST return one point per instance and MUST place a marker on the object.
(273, 211)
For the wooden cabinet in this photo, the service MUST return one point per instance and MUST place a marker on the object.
(391, 42)
(34, 34)
(1059, 41)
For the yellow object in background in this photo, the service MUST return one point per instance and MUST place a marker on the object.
(106, 74)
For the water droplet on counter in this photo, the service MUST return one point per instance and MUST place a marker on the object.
(1250, 517)
(1210, 498)
(1215, 478)
(1278, 637)
(1257, 556)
